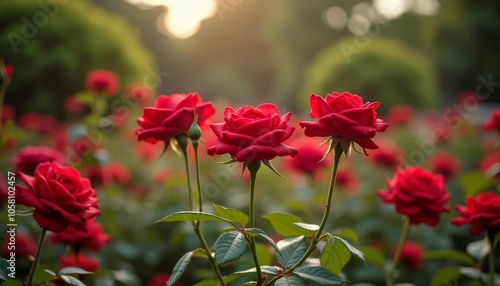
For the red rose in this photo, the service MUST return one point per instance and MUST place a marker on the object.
(8, 113)
(42, 123)
(102, 81)
(28, 158)
(139, 93)
(172, 115)
(493, 123)
(24, 245)
(118, 172)
(490, 165)
(253, 133)
(418, 194)
(344, 117)
(445, 164)
(481, 212)
(59, 196)
(6, 72)
(160, 279)
(400, 114)
(346, 180)
(388, 157)
(308, 160)
(82, 262)
(71, 105)
(93, 238)
(412, 255)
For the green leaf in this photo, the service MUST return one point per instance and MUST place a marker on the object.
(445, 276)
(12, 283)
(450, 254)
(263, 254)
(261, 233)
(231, 214)
(348, 233)
(283, 224)
(72, 280)
(351, 248)
(289, 281)
(334, 256)
(478, 249)
(249, 283)
(192, 216)
(43, 275)
(230, 246)
(475, 182)
(273, 270)
(200, 253)
(209, 282)
(374, 256)
(319, 275)
(179, 268)
(292, 249)
(307, 226)
(4, 272)
(476, 274)
(73, 270)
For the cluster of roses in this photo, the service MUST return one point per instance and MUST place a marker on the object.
(259, 133)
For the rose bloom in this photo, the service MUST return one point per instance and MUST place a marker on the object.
(481, 213)
(346, 118)
(490, 165)
(102, 80)
(118, 172)
(445, 164)
(347, 180)
(388, 157)
(160, 279)
(139, 93)
(8, 113)
(28, 158)
(418, 194)
(44, 124)
(98, 175)
(82, 262)
(71, 105)
(92, 239)
(400, 114)
(412, 255)
(60, 197)
(6, 72)
(172, 115)
(493, 123)
(309, 159)
(252, 134)
(24, 245)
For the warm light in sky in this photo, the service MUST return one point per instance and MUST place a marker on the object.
(183, 18)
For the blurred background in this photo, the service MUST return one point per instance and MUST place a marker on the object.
(433, 65)
(416, 52)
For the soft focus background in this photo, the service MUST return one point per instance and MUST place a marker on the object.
(433, 65)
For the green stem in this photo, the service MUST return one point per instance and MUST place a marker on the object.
(253, 168)
(37, 257)
(197, 164)
(404, 235)
(492, 240)
(188, 177)
(338, 154)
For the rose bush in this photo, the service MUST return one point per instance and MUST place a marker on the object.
(482, 213)
(252, 134)
(59, 196)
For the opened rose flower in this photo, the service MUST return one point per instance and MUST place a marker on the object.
(482, 213)
(171, 116)
(252, 134)
(60, 197)
(345, 119)
(417, 193)
(102, 81)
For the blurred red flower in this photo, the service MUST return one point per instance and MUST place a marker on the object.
(345, 118)
(92, 239)
(42, 123)
(139, 93)
(308, 160)
(148, 152)
(490, 165)
(23, 243)
(60, 197)
(347, 180)
(172, 115)
(387, 156)
(160, 279)
(418, 194)
(400, 114)
(6, 72)
(81, 261)
(102, 80)
(118, 172)
(493, 123)
(71, 105)
(27, 159)
(98, 175)
(412, 255)
(8, 113)
(252, 134)
(444, 163)
(481, 212)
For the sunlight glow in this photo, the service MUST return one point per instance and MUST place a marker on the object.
(183, 17)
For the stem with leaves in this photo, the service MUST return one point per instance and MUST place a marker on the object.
(338, 151)
(196, 225)
(253, 168)
(404, 235)
(37, 257)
